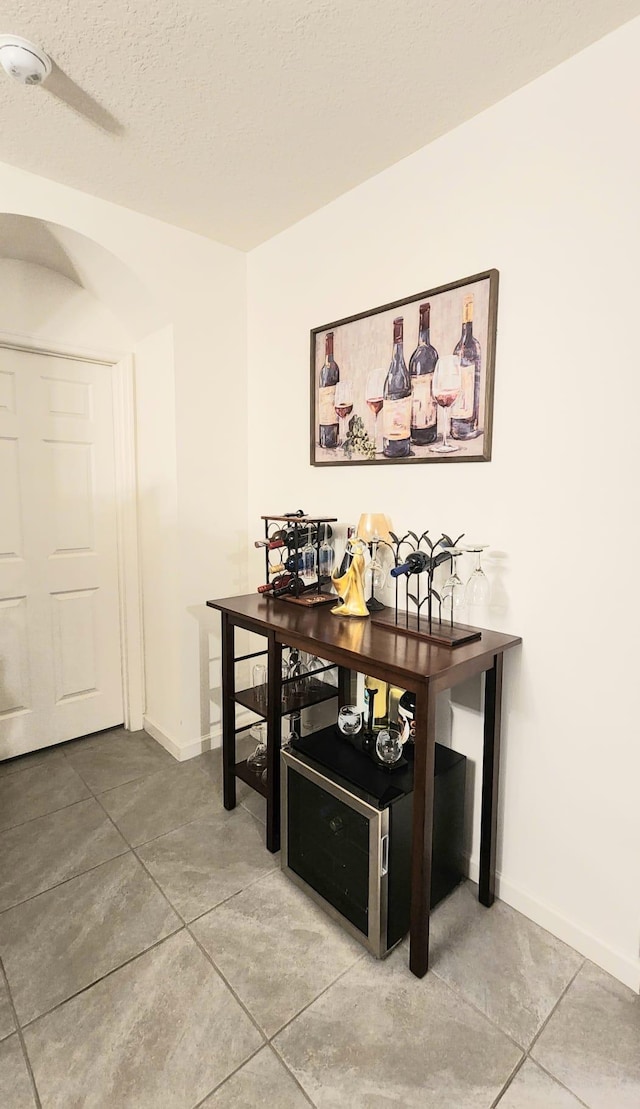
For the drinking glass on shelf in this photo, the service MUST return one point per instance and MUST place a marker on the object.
(259, 681)
(478, 590)
(374, 398)
(294, 726)
(258, 760)
(447, 381)
(343, 402)
(298, 671)
(350, 720)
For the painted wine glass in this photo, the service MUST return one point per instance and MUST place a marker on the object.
(446, 386)
(374, 399)
(343, 402)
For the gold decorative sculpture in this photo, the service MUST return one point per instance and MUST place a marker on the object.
(350, 587)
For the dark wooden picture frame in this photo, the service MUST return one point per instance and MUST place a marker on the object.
(360, 348)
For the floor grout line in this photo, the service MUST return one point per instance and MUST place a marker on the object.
(23, 1045)
(65, 881)
(107, 974)
(220, 974)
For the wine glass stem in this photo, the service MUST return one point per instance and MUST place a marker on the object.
(445, 427)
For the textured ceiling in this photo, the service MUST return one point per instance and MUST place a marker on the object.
(235, 118)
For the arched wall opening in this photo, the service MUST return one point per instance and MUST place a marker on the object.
(64, 294)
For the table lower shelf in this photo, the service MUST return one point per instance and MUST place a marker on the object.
(314, 694)
(246, 774)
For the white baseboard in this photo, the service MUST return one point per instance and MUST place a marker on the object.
(622, 967)
(189, 750)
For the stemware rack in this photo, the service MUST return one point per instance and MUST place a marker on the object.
(416, 623)
(299, 527)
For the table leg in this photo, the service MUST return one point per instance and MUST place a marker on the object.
(228, 714)
(490, 772)
(424, 769)
(274, 729)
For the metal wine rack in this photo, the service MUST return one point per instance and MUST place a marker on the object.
(299, 525)
(416, 623)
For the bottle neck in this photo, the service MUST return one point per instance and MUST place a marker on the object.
(398, 351)
(467, 331)
(424, 338)
(328, 349)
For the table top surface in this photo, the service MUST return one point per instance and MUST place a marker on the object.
(354, 641)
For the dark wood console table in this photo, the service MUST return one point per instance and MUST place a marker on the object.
(425, 668)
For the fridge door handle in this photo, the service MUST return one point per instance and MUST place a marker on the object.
(384, 855)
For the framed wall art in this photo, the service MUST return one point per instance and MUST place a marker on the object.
(407, 382)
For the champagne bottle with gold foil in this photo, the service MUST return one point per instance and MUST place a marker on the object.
(393, 700)
(466, 408)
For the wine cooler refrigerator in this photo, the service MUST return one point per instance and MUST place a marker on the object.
(346, 834)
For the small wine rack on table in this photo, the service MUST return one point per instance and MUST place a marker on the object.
(411, 663)
(296, 527)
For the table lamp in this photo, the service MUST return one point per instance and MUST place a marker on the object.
(372, 528)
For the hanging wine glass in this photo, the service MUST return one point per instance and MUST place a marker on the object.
(343, 402)
(374, 398)
(309, 559)
(327, 559)
(478, 590)
(453, 588)
(447, 382)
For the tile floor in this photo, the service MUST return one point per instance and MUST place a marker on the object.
(152, 956)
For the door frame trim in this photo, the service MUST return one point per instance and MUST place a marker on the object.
(129, 584)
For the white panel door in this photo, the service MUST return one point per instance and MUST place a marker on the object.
(60, 647)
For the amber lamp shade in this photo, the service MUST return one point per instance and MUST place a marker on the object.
(373, 527)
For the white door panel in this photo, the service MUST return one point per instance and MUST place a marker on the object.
(60, 648)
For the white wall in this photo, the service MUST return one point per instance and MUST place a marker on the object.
(38, 303)
(544, 186)
(191, 428)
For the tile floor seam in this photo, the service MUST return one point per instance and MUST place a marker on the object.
(153, 774)
(559, 1081)
(278, 1031)
(215, 966)
(128, 782)
(22, 823)
(218, 904)
(108, 974)
(144, 867)
(472, 1005)
(20, 1036)
(65, 881)
(550, 1014)
(516, 1070)
(290, 1072)
(233, 1072)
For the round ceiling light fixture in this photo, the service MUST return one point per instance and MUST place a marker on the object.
(23, 61)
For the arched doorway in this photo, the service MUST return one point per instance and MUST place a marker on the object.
(70, 626)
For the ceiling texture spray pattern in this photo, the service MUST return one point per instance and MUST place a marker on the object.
(236, 118)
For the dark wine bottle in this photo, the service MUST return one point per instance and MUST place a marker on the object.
(279, 584)
(271, 544)
(415, 563)
(465, 410)
(329, 378)
(347, 557)
(396, 411)
(424, 414)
